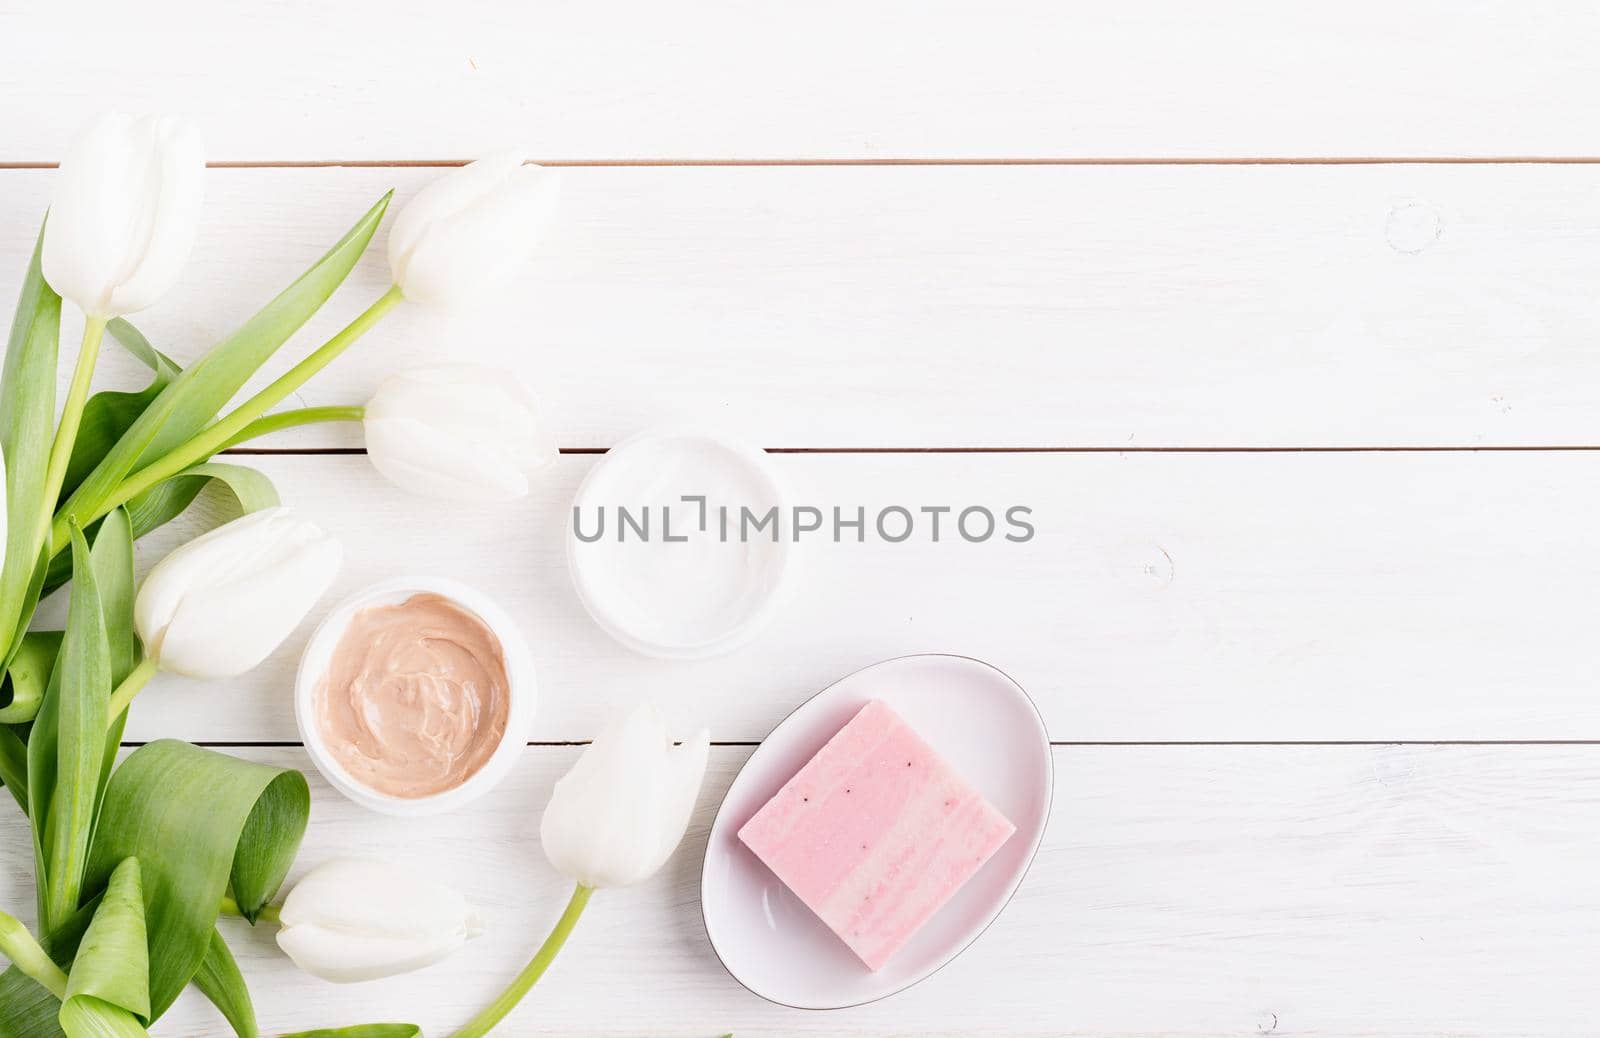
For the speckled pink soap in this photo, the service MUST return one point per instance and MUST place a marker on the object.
(876, 833)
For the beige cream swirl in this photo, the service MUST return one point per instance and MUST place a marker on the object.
(415, 699)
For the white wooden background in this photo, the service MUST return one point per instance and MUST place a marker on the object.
(1282, 317)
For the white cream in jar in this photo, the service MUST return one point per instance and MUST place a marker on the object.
(679, 543)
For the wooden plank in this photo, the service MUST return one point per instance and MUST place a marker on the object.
(1164, 596)
(1021, 306)
(1014, 79)
(1351, 890)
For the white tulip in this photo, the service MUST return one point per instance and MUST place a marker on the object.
(351, 920)
(465, 234)
(457, 432)
(617, 816)
(218, 605)
(123, 212)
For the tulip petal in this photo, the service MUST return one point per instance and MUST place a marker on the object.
(225, 630)
(441, 199)
(89, 214)
(685, 771)
(173, 213)
(467, 232)
(346, 958)
(220, 604)
(125, 204)
(476, 402)
(616, 817)
(422, 460)
(457, 432)
(361, 895)
(352, 920)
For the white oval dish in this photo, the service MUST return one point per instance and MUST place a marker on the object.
(521, 687)
(975, 717)
(701, 596)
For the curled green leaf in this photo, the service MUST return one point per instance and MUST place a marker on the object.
(108, 989)
(28, 676)
(14, 765)
(164, 502)
(30, 1004)
(133, 340)
(28, 957)
(199, 822)
(250, 488)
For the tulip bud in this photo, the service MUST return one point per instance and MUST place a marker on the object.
(457, 432)
(466, 233)
(617, 816)
(123, 213)
(351, 920)
(218, 605)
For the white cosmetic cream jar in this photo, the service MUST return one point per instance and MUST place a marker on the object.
(680, 543)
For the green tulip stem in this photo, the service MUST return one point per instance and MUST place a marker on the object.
(485, 1021)
(215, 436)
(292, 419)
(131, 685)
(268, 913)
(94, 330)
(18, 945)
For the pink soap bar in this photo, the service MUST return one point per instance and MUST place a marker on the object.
(876, 833)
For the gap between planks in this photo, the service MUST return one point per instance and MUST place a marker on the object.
(1213, 160)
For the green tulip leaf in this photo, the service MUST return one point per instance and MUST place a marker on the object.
(108, 989)
(27, 423)
(111, 559)
(199, 822)
(220, 981)
(165, 501)
(30, 671)
(195, 396)
(66, 751)
(28, 675)
(133, 340)
(14, 765)
(362, 1031)
(27, 1009)
(108, 415)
